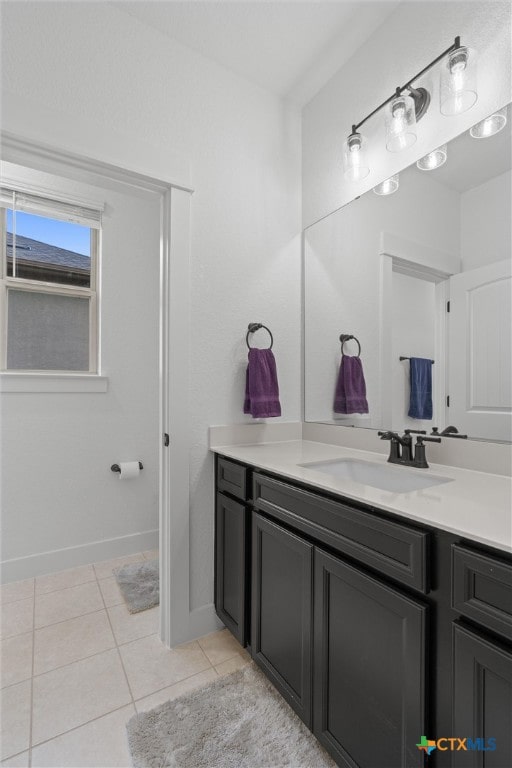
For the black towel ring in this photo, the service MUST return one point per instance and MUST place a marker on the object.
(256, 327)
(347, 337)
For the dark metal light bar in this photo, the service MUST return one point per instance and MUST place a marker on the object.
(398, 91)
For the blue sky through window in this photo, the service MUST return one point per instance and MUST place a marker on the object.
(63, 234)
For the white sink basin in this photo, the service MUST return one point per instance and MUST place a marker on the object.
(383, 476)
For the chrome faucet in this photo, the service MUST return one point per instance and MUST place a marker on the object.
(401, 448)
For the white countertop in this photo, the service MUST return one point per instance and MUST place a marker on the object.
(476, 505)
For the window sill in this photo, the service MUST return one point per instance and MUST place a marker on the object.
(52, 382)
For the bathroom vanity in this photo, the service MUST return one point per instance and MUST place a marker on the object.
(381, 616)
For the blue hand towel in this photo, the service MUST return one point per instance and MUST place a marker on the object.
(261, 387)
(350, 395)
(420, 406)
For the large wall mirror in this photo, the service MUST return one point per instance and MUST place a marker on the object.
(383, 269)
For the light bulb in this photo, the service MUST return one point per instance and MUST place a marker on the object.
(434, 159)
(355, 164)
(400, 123)
(458, 91)
(490, 125)
(388, 187)
(458, 60)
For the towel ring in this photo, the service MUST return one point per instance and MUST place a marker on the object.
(256, 327)
(347, 337)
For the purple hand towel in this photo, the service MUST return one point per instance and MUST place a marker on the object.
(350, 395)
(261, 387)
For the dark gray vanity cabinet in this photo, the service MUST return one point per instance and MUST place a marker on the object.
(232, 548)
(378, 632)
(482, 699)
(370, 695)
(369, 638)
(482, 657)
(281, 636)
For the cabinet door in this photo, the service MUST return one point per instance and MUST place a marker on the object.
(482, 700)
(282, 612)
(231, 566)
(369, 698)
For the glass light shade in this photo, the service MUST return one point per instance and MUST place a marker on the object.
(388, 187)
(400, 123)
(491, 125)
(458, 90)
(355, 162)
(434, 159)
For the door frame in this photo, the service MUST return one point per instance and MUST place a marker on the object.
(391, 262)
(175, 203)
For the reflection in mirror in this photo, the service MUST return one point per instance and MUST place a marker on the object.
(385, 269)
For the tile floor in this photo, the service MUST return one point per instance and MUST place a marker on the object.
(76, 665)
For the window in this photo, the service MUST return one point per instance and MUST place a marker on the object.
(48, 284)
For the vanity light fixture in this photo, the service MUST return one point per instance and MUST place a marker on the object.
(389, 186)
(400, 122)
(458, 90)
(490, 125)
(408, 104)
(434, 159)
(355, 164)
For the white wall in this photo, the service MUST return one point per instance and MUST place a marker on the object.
(95, 81)
(410, 38)
(343, 280)
(485, 239)
(413, 334)
(61, 504)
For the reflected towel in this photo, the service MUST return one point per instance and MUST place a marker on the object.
(261, 387)
(350, 395)
(420, 405)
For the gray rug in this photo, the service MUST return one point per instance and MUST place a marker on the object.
(139, 585)
(238, 721)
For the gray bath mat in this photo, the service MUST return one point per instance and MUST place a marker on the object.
(139, 585)
(238, 721)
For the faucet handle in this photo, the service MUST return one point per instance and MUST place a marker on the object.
(450, 431)
(394, 445)
(388, 435)
(420, 459)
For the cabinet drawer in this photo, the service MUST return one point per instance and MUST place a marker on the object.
(482, 589)
(393, 549)
(232, 477)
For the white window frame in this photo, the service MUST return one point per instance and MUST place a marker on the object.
(51, 380)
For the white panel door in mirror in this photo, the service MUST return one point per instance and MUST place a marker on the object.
(480, 342)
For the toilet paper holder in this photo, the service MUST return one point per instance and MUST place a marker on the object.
(117, 468)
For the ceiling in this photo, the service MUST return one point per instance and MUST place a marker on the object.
(289, 48)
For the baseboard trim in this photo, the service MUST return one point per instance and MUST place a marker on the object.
(204, 620)
(70, 557)
(201, 621)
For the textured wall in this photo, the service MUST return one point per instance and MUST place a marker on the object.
(96, 81)
(485, 239)
(411, 37)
